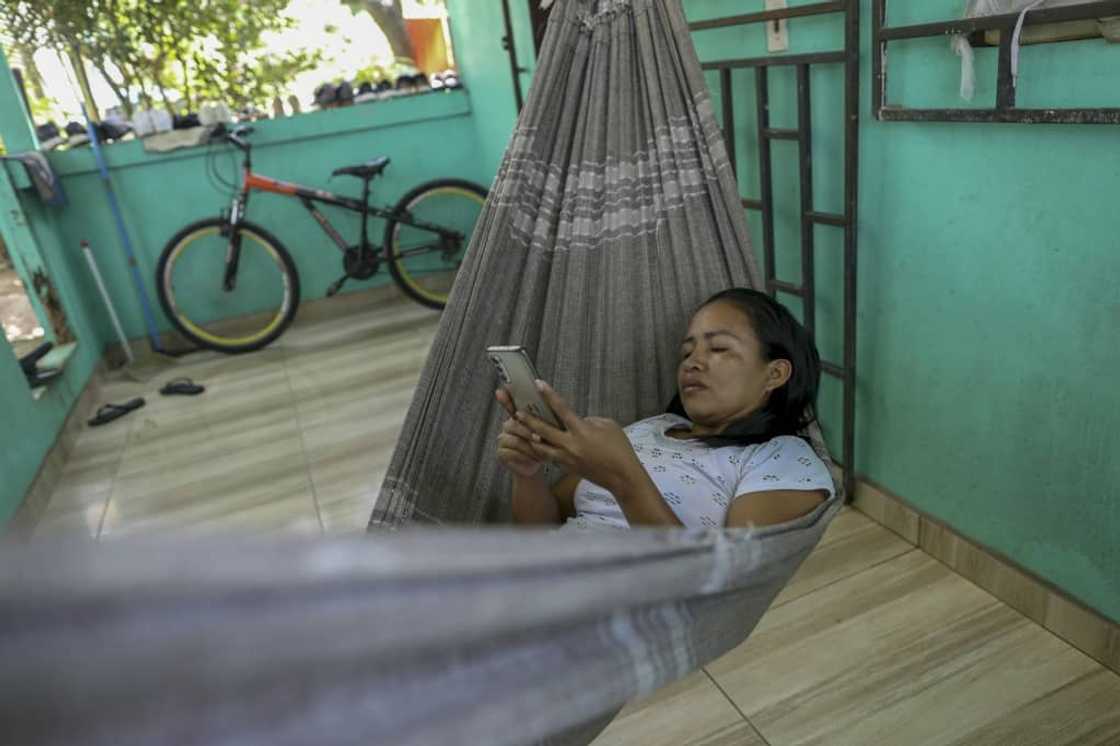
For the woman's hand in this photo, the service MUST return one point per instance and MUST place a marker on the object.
(515, 448)
(595, 448)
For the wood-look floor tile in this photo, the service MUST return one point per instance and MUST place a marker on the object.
(347, 517)
(846, 523)
(338, 425)
(91, 469)
(313, 330)
(346, 375)
(83, 522)
(348, 463)
(204, 366)
(350, 430)
(346, 492)
(175, 432)
(262, 488)
(1083, 712)
(308, 345)
(852, 544)
(351, 304)
(906, 652)
(690, 711)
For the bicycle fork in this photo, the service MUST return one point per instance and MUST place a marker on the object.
(233, 247)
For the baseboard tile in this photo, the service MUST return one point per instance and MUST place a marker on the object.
(347, 304)
(311, 311)
(1036, 598)
(893, 514)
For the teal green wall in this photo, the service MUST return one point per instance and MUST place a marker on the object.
(28, 426)
(477, 35)
(989, 267)
(428, 136)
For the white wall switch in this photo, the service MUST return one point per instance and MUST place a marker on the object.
(777, 32)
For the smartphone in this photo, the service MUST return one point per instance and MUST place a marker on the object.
(517, 372)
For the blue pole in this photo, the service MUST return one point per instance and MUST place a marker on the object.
(126, 242)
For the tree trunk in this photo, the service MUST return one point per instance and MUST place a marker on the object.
(188, 94)
(166, 101)
(83, 83)
(31, 71)
(120, 90)
(390, 18)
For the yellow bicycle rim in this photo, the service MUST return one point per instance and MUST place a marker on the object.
(403, 271)
(209, 336)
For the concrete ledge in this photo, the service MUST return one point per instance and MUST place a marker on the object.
(268, 133)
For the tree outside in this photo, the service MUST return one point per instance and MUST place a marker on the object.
(178, 54)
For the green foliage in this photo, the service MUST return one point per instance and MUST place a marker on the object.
(23, 57)
(387, 71)
(163, 51)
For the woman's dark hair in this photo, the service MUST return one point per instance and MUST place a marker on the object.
(790, 408)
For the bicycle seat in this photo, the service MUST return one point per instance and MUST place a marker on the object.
(366, 170)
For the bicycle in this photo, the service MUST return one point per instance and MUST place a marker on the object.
(228, 284)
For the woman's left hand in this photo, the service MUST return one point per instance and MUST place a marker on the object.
(596, 448)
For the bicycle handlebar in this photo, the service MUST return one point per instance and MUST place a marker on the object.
(238, 133)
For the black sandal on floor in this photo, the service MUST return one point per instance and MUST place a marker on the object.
(110, 412)
(183, 386)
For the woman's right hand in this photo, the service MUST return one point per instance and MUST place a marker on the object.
(515, 449)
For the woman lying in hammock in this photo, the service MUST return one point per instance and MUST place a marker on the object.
(726, 453)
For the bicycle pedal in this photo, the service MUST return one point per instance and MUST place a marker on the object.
(335, 286)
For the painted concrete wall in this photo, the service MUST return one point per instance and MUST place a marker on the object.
(28, 426)
(477, 28)
(989, 267)
(427, 136)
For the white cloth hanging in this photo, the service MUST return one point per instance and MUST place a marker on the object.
(980, 8)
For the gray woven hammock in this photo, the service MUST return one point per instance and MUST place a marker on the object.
(614, 214)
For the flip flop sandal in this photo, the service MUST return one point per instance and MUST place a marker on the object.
(110, 412)
(183, 386)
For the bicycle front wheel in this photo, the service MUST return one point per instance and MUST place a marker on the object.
(232, 310)
(428, 237)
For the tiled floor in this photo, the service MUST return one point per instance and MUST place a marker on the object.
(873, 642)
(293, 438)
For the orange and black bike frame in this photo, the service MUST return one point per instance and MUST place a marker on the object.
(307, 196)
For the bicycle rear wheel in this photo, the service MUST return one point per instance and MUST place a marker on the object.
(252, 311)
(426, 243)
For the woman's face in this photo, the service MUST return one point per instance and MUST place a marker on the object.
(723, 375)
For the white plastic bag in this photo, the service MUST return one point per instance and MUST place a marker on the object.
(214, 113)
(978, 8)
(142, 123)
